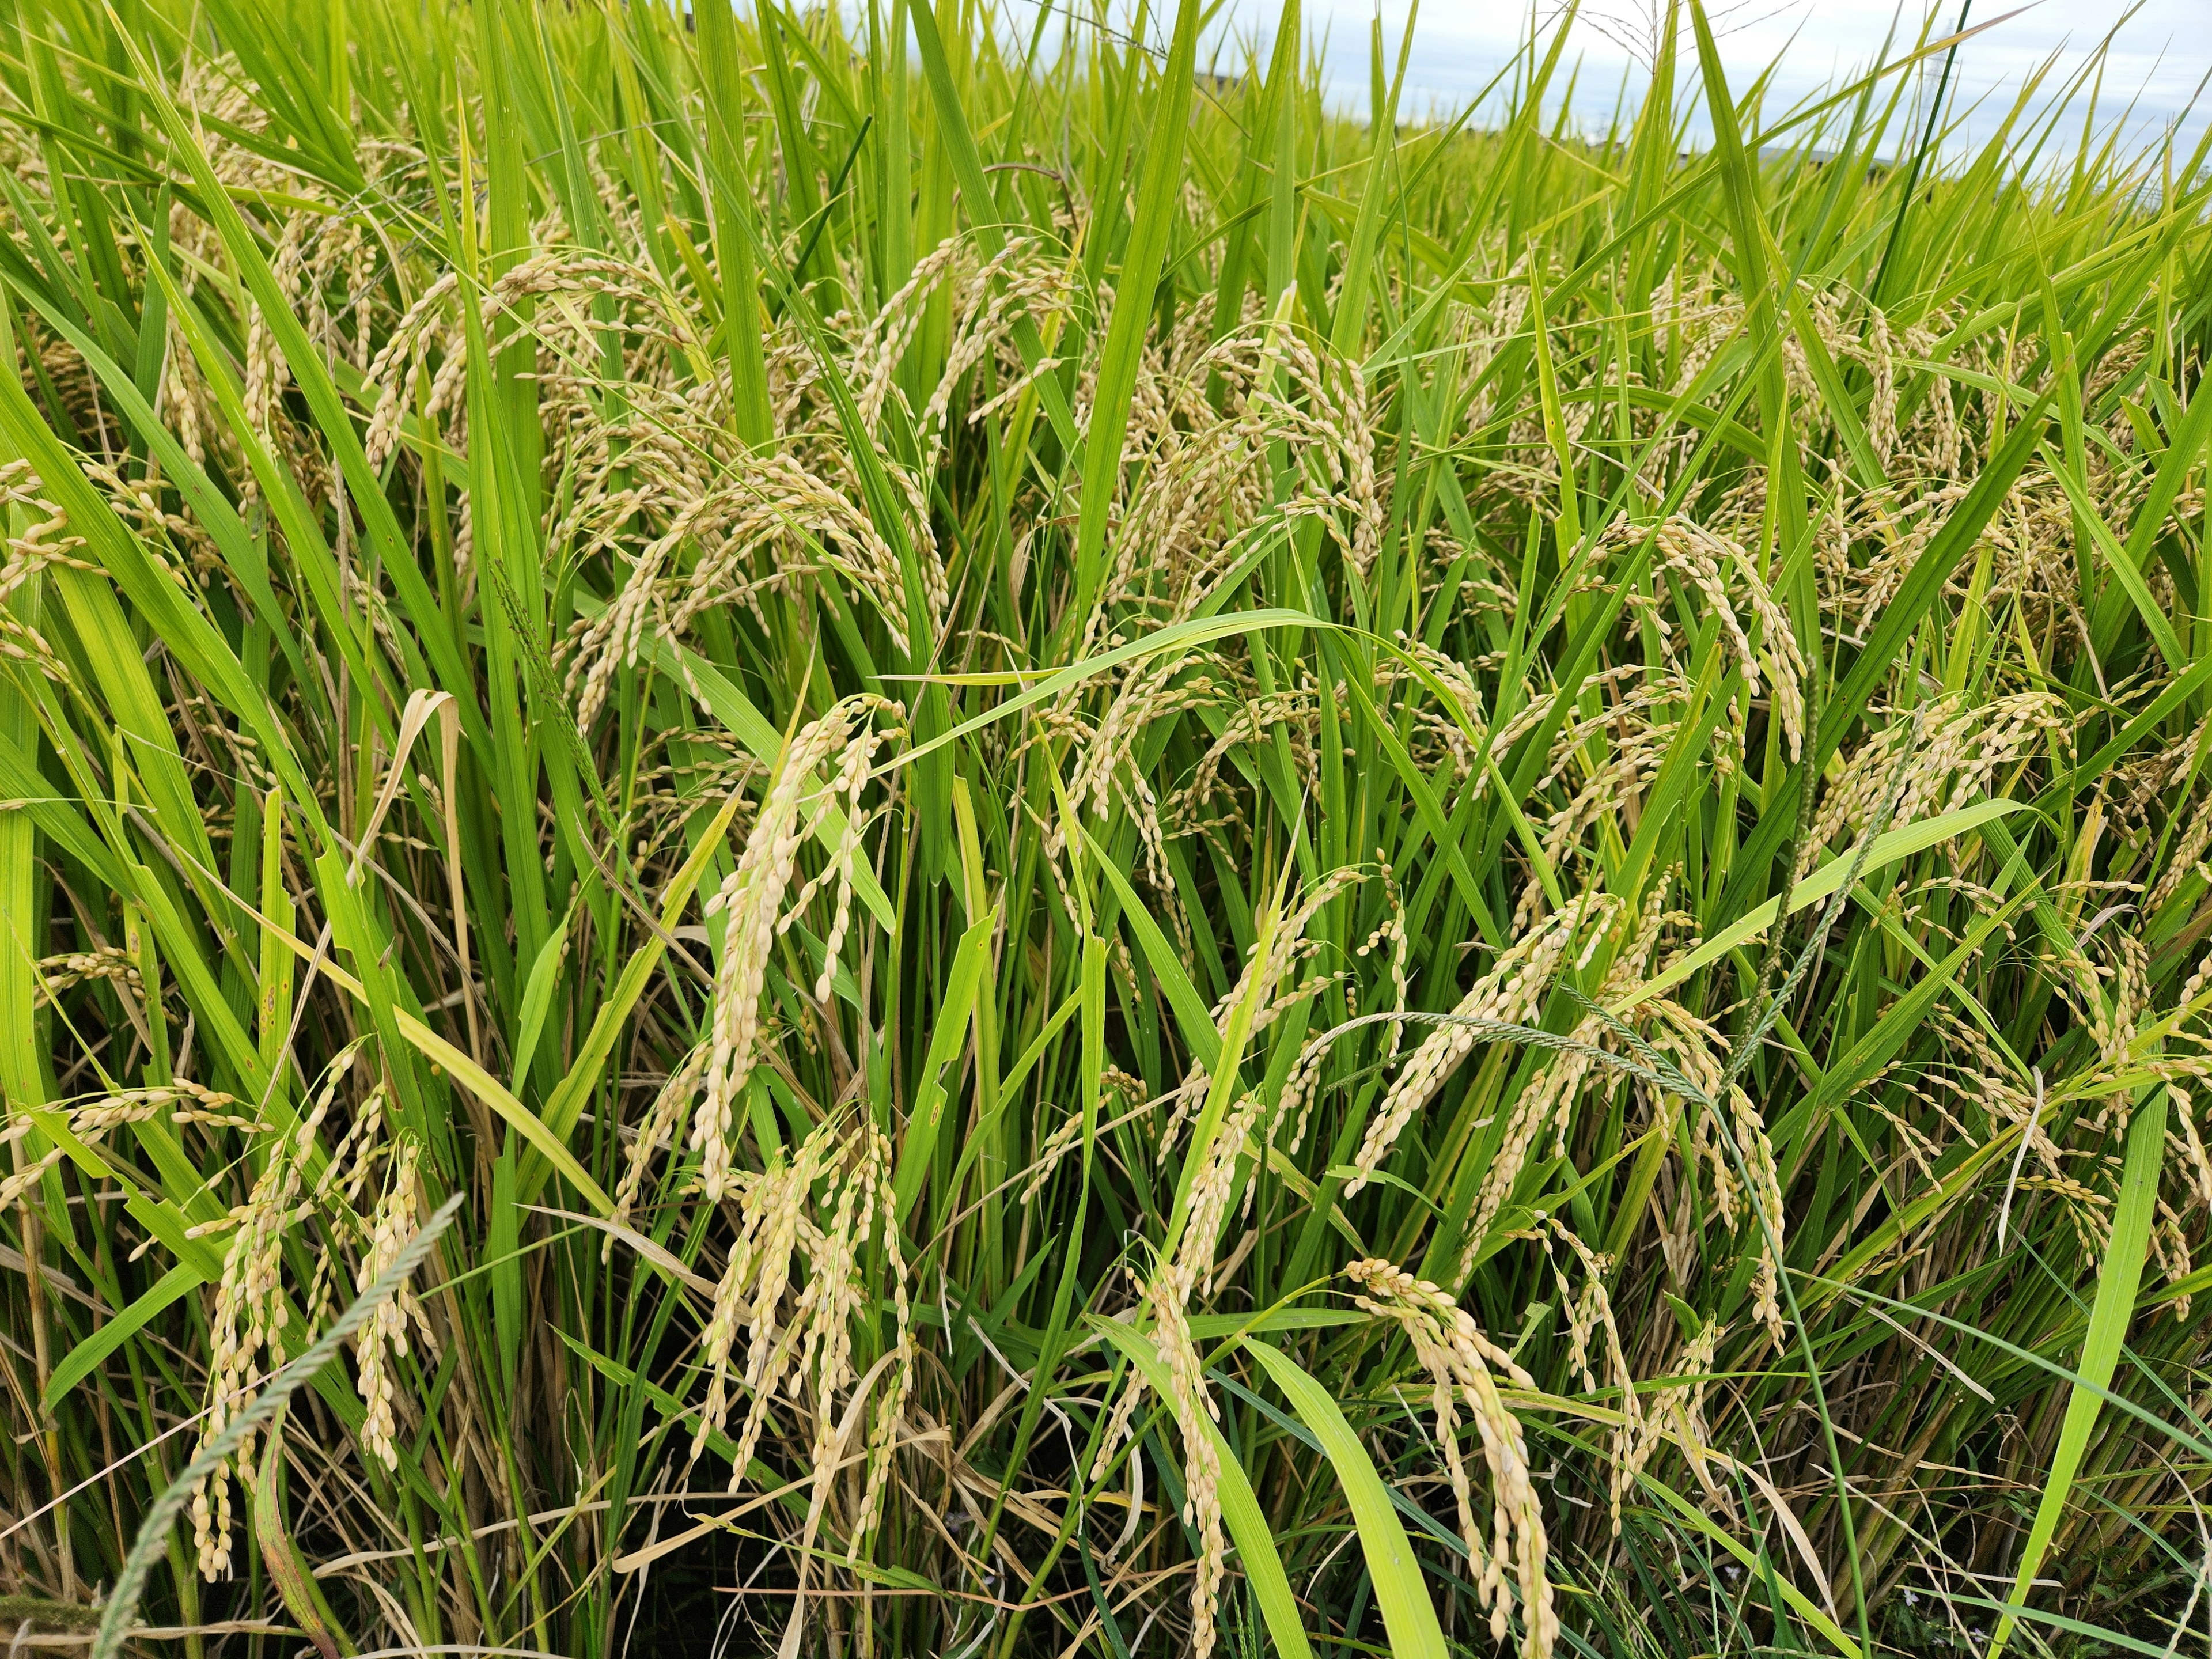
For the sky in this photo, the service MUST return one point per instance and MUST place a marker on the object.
(2156, 63)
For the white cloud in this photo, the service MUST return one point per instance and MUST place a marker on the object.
(2152, 71)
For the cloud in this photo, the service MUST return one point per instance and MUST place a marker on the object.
(2152, 69)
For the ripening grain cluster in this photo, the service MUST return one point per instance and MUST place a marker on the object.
(909, 829)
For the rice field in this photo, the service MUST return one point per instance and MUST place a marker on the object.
(916, 831)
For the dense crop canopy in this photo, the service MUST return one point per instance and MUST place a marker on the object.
(1140, 871)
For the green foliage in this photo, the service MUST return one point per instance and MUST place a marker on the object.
(1159, 872)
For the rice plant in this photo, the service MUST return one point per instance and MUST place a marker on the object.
(1141, 869)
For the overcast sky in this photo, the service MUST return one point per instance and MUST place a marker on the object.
(2157, 61)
